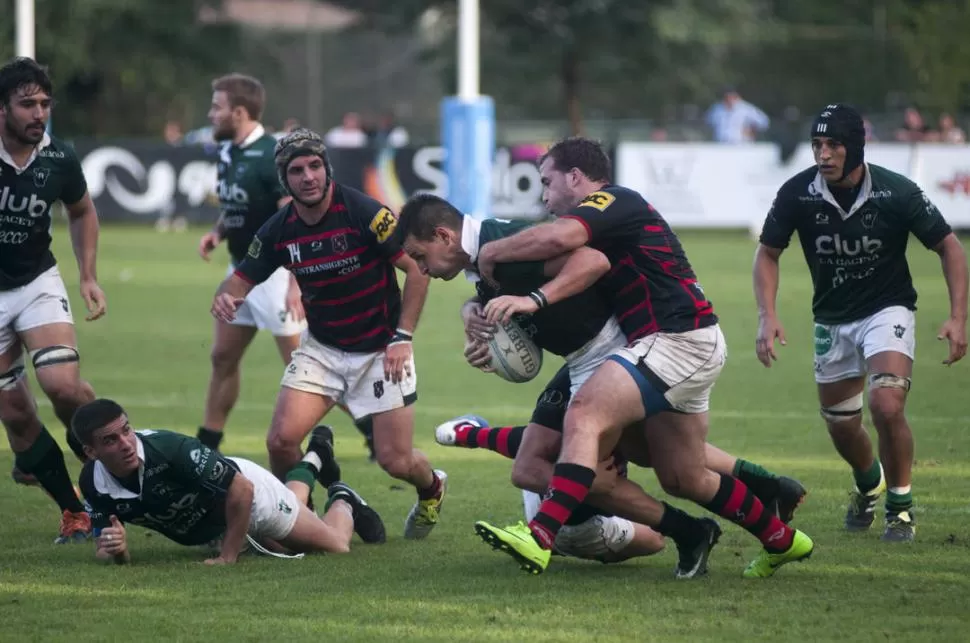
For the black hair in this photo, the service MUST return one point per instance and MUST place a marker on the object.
(423, 213)
(23, 72)
(93, 416)
(584, 154)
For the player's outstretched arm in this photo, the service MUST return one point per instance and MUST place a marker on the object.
(954, 330)
(766, 278)
(538, 243)
(239, 506)
(83, 220)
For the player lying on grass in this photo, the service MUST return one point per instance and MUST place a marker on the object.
(175, 485)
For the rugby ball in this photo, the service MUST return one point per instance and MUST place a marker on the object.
(515, 357)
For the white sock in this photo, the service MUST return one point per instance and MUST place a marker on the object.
(313, 459)
(899, 491)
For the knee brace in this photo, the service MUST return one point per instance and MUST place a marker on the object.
(53, 355)
(888, 380)
(9, 380)
(844, 410)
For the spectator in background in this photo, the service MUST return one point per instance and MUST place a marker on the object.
(348, 134)
(870, 131)
(734, 120)
(788, 132)
(913, 129)
(289, 125)
(388, 133)
(173, 133)
(948, 132)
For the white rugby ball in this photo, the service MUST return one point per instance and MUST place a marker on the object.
(515, 357)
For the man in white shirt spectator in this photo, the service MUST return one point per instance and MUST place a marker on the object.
(389, 134)
(734, 120)
(348, 134)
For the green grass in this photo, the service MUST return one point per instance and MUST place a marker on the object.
(151, 354)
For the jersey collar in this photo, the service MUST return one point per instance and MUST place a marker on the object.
(471, 230)
(254, 136)
(107, 484)
(865, 192)
(5, 156)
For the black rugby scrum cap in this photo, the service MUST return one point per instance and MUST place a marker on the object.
(843, 123)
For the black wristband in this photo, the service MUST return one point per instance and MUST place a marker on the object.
(401, 336)
(539, 298)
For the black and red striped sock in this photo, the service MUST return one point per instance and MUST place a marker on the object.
(500, 439)
(568, 489)
(735, 502)
(432, 491)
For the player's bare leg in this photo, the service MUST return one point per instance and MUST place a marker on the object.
(36, 453)
(229, 344)
(346, 512)
(889, 383)
(286, 344)
(841, 404)
(599, 412)
(677, 443)
(294, 417)
(394, 447)
(53, 351)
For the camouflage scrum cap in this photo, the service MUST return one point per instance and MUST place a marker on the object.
(300, 142)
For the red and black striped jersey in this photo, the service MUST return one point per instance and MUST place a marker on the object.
(651, 282)
(344, 265)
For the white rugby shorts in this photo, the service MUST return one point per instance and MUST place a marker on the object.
(41, 302)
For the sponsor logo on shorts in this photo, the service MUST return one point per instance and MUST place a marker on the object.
(899, 330)
(823, 340)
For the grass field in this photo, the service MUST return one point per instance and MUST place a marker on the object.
(151, 354)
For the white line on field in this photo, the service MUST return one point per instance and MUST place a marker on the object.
(508, 412)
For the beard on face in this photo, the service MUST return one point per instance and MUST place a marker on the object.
(30, 134)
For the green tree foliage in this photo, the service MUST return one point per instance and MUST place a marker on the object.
(934, 37)
(123, 67)
(559, 58)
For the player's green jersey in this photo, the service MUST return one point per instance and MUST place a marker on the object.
(560, 328)
(26, 198)
(248, 189)
(181, 489)
(857, 259)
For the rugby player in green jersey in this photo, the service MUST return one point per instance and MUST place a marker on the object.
(173, 484)
(36, 171)
(854, 220)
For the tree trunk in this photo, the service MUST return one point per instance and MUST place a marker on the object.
(570, 86)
